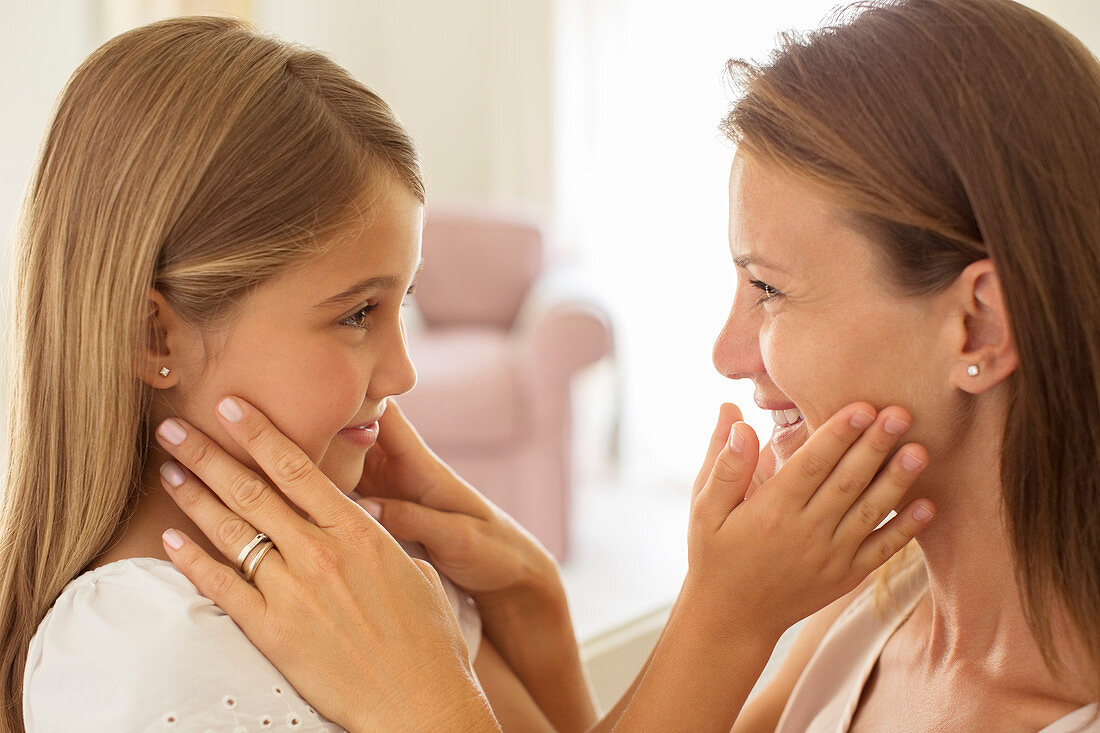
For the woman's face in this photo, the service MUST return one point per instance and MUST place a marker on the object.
(815, 324)
(321, 347)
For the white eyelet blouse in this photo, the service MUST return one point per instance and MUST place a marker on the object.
(133, 646)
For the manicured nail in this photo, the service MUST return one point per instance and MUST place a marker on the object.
(373, 508)
(910, 463)
(172, 431)
(861, 419)
(737, 442)
(895, 426)
(922, 513)
(172, 473)
(230, 409)
(173, 539)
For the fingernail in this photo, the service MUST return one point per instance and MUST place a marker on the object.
(230, 409)
(737, 442)
(373, 508)
(172, 431)
(922, 513)
(172, 473)
(895, 426)
(910, 463)
(173, 539)
(861, 419)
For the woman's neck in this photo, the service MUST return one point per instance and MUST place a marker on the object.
(977, 616)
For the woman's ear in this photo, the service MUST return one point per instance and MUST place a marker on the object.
(987, 352)
(160, 358)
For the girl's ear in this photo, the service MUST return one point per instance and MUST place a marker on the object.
(159, 361)
(986, 354)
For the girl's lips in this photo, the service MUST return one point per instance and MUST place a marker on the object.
(364, 437)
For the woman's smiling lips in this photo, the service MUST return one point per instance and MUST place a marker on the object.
(788, 423)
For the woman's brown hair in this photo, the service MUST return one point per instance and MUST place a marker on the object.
(956, 130)
(195, 156)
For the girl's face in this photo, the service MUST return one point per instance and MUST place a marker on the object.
(321, 347)
(815, 324)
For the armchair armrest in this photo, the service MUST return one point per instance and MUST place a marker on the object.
(560, 328)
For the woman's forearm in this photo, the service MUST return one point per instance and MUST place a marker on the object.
(533, 631)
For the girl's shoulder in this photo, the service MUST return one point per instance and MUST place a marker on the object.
(133, 645)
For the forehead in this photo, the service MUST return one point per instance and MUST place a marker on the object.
(383, 241)
(777, 218)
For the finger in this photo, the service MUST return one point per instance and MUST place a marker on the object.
(730, 477)
(412, 522)
(728, 414)
(216, 581)
(884, 493)
(858, 466)
(765, 469)
(396, 435)
(240, 489)
(430, 573)
(812, 463)
(892, 536)
(285, 463)
(229, 532)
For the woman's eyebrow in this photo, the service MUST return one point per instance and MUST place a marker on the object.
(355, 292)
(746, 260)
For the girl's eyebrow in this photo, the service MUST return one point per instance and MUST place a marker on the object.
(356, 291)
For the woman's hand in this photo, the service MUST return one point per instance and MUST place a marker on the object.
(510, 575)
(342, 583)
(419, 498)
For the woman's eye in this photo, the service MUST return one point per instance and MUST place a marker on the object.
(768, 290)
(359, 318)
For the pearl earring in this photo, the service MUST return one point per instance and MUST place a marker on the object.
(164, 371)
(973, 370)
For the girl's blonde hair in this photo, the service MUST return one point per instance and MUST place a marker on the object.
(951, 131)
(193, 155)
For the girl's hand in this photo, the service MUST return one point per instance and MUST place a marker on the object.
(809, 533)
(340, 584)
(756, 565)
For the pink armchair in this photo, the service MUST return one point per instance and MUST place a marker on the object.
(499, 343)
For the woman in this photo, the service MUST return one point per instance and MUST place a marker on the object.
(216, 211)
(918, 187)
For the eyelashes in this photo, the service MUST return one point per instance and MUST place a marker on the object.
(768, 290)
(361, 318)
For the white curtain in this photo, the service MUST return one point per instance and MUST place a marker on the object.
(642, 199)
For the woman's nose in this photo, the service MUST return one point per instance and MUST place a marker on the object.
(736, 353)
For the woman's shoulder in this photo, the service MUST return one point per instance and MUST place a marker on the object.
(134, 645)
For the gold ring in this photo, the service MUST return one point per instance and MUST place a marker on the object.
(248, 548)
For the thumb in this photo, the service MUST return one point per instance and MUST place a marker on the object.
(412, 522)
(730, 478)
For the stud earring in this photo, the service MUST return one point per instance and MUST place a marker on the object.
(973, 370)
(164, 371)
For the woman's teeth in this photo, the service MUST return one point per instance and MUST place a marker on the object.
(784, 418)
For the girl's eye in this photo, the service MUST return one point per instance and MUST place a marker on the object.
(769, 291)
(359, 319)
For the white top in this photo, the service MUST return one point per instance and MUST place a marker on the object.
(133, 646)
(825, 698)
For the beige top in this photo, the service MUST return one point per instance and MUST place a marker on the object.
(825, 698)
